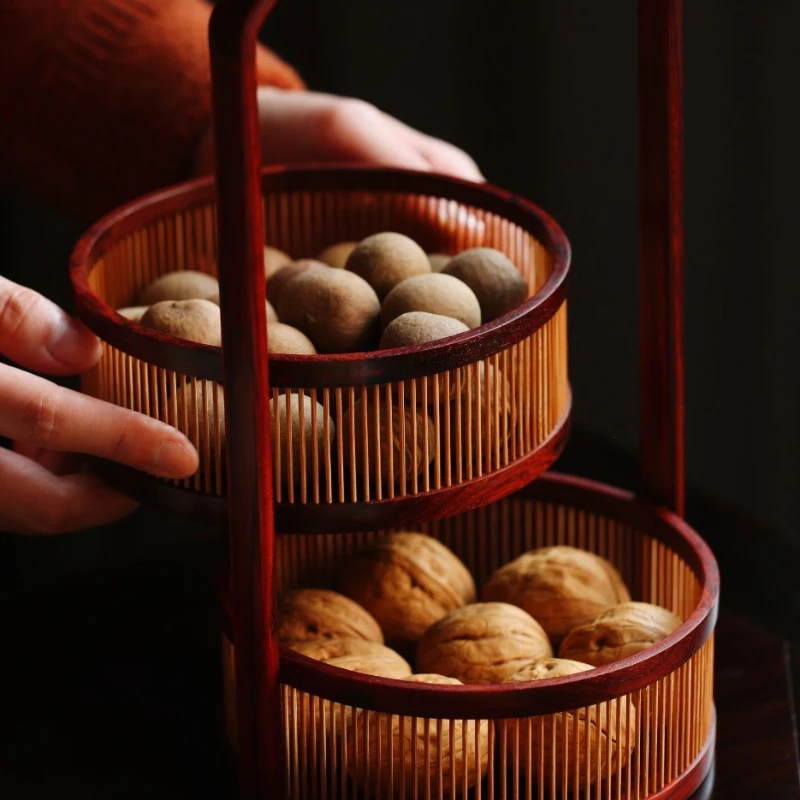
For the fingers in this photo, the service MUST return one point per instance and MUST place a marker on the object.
(358, 132)
(442, 156)
(40, 414)
(38, 335)
(447, 159)
(52, 460)
(34, 500)
(309, 127)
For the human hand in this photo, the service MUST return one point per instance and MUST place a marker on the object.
(40, 489)
(310, 127)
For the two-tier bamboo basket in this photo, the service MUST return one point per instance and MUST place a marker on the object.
(474, 485)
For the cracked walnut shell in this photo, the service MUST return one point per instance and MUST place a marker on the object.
(358, 655)
(407, 581)
(619, 632)
(561, 740)
(454, 762)
(482, 643)
(561, 587)
(309, 614)
(305, 710)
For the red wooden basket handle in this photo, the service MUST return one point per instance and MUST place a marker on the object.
(233, 40)
(233, 36)
(661, 252)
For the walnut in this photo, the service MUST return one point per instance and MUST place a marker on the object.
(561, 587)
(450, 752)
(407, 581)
(309, 614)
(358, 655)
(561, 741)
(482, 643)
(618, 632)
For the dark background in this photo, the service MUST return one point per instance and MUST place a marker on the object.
(543, 94)
(110, 679)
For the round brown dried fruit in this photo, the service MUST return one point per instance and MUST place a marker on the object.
(435, 293)
(555, 739)
(454, 762)
(482, 643)
(562, 587)
(337, 254)
(337, 310)
(286, 339)
(133, 313)
(306, 437)
(192, 320)
(385, 259)
(310, 614)
(186, 284)
(407, 581)
(418, 327)
(204, 413)
(497, 283)
(619, 632)
(274, 259)
(278, 281)
(439, 261)
(271, 315)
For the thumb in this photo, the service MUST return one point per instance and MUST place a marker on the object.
(38, 335)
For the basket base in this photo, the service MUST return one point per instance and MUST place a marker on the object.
(697, 782)
(399, 512)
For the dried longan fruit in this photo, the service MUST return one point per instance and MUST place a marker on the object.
(497, 283)
(336, 255)
(336, 309)
(183, 285)
(193, 320)
(436, 294)
(283, 338)
(385, 259)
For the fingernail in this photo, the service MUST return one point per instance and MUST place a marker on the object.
(175, 460)
(74, 345)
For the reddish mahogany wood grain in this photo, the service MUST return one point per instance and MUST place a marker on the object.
(346, 369)
(233, 36)
(545, 696)
(301, 518)
(661, 251)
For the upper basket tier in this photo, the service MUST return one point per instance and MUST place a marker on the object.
(375, 439)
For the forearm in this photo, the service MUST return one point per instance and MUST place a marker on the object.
(106, 99)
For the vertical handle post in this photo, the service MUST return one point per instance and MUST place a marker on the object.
(661, 441)
(233, 40)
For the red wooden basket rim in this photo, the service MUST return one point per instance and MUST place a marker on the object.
(545, 696)
(347, 369)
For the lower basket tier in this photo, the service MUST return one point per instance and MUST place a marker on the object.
(642, 727)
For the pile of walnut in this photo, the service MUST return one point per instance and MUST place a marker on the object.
(381, 293)
(407, 599)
